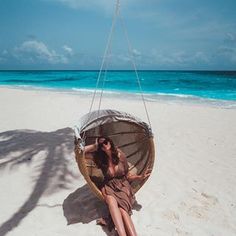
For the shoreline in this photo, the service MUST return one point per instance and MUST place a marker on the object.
(159, 97)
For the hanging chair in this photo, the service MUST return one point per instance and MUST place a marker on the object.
(128, 133)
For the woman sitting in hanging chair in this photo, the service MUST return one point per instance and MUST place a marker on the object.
(116, 188)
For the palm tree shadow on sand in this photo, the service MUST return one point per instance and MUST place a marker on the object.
(19, 147)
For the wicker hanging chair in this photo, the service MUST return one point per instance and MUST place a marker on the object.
(128, 133)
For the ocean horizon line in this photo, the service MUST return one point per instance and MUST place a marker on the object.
(125, 70)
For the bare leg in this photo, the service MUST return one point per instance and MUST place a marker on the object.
(116, 215)
(129, 226)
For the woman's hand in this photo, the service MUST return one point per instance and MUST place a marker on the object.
(143, 176)
(146, 174)
(96, 144)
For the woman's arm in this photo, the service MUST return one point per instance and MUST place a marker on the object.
(129, 176)
(143, 176)
(79, 146)
(91, 148)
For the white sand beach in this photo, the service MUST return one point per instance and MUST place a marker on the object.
(191, 190)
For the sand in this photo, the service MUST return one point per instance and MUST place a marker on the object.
(191, 190)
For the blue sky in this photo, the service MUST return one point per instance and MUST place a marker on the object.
(72, 34)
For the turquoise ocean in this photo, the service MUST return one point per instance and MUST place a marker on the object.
(209, 85)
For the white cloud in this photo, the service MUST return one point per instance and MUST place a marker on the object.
(36, 51)
(122, 58)
(179, 58)
(4, 52)
(201, 57)
(230, 37)
(106, 5)
(229, 53)
(161, 58)
(136, 53)
(68, 50)
(3, 56)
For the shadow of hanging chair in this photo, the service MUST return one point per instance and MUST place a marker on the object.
(133, 136)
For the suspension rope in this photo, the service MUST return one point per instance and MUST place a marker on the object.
(107, 52)
(131, 54)
(103, 61)
(105, 75)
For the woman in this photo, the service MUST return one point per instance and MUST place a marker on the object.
(116, 188)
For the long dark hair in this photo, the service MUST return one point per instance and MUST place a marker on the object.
(101, 158)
